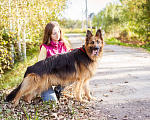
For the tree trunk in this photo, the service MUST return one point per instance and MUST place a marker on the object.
(24, 43)
(19, 43)
(18, 37)
(12, 55)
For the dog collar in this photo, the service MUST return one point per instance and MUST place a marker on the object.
(81, 50)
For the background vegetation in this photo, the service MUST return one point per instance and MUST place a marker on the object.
(127, 21)
(22, 23)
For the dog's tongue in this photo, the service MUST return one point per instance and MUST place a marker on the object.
(94, 52)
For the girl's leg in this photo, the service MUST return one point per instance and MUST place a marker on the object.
(58, 90)
(49, 95)
(61, 88)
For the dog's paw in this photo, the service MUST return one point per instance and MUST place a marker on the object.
(15, 102)
(26, 99)
(81, 100)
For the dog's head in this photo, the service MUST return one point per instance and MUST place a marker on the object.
(94, 45)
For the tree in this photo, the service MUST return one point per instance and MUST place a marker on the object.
(137, 14)
(25, 19)
(107, 17)
(132, 16)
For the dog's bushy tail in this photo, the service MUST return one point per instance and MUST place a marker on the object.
(13, 94)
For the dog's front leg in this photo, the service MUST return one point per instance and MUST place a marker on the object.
(78, 89)
(87, 90)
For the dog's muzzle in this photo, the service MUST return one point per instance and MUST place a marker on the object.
(95, 50)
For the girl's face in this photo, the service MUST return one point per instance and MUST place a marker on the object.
(55, 36)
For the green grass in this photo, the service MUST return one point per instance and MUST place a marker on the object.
(114, 41)
(14, 76)
(84, 34)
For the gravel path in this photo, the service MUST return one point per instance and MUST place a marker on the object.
(122, 83)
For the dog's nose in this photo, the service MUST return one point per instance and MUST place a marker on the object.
(97, 47)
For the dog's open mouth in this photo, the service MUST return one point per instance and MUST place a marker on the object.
(95, 52)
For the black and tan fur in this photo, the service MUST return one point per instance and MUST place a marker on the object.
(79, 65)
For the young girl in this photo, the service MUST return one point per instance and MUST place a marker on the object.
(52, 44)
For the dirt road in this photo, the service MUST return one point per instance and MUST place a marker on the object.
(122, 83)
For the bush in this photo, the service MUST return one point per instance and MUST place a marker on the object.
(5, 52)
(124, 33)
(6, 42)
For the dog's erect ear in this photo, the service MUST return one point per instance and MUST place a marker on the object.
(99, 33)
(89, 34)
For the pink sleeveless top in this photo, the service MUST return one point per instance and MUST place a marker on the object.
(54, 48)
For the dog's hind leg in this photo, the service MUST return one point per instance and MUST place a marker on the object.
(17, 98)
(29, 97)
(78, 89)
(28, 86)
(28, 92)
(87, 90)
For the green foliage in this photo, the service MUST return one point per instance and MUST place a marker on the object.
(5, 53)
(128, 19)
(33, 47)
(14, 76)
(124, 33)
(21, 20)
(107, 17)
(71, 24)
(113, 41)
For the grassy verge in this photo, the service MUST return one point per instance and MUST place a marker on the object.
(14, 76)
(114, 41)
(76, 30)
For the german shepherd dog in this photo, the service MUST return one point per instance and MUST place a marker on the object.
(79, 66)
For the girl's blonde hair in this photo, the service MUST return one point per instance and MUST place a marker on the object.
(48, 31)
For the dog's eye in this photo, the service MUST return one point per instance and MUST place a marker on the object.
(92, 42)
(98, 41)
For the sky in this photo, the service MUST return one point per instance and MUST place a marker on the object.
(77, 7)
